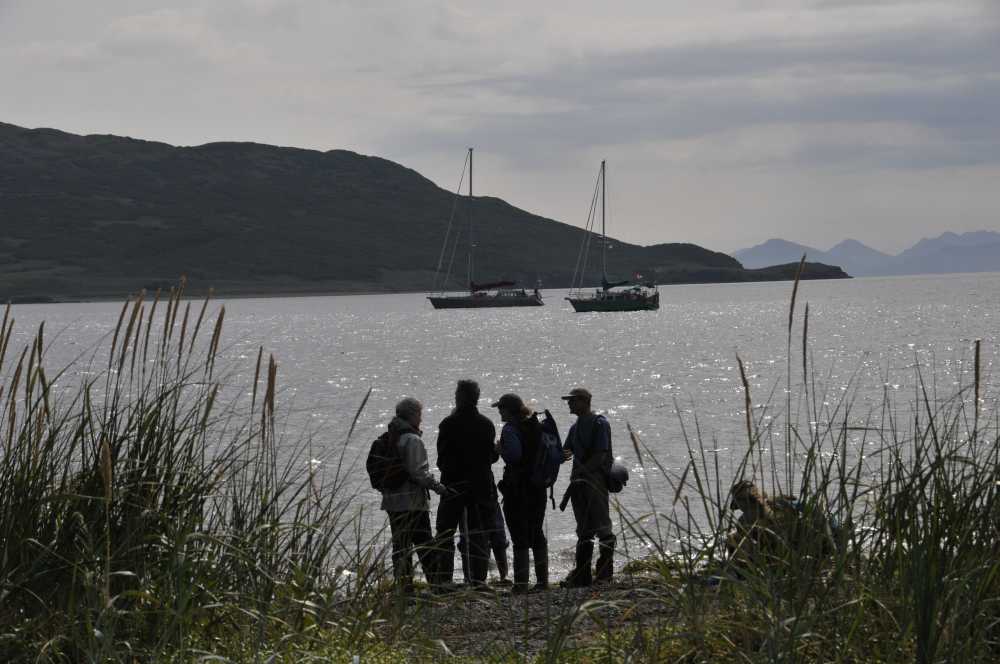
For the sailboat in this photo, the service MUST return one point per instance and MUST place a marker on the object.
(635, 297)
(480, 295)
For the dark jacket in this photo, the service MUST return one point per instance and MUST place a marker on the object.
(466, 453)
(590, 441)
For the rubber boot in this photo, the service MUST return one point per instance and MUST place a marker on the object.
(500, 555)
(605, 567)
(579, 576)
(541, 556)
(522, 566)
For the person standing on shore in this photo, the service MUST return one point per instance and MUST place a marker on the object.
(466, 453)
(524, 503)
(498, 543)
(408, 505)
(588, 443)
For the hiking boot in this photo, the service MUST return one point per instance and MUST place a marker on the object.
(579, 576)
(480, 587)
(605, 567)
(522, 564)
(541, 556)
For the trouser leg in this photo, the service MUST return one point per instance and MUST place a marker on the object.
(539, 544)
(605, 559)
(449, 515)
(480, 522)
(498, 541)
(586, 510)
(463, 553)
(540, 553)
(463, 546)
(500, 556)
(400, 548)
(522, 567)
(423, 543)
(580, 576)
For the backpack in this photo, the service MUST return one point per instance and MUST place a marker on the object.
(548, 457)
(385, 463)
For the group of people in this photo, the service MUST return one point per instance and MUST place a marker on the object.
(470, 499)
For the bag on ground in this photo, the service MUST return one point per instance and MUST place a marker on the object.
(385, 467)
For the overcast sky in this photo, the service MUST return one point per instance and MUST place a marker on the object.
(724, 122)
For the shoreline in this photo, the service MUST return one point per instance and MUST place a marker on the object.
(106, 296)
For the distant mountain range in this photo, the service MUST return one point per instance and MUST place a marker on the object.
(102, 216)
(978, 251)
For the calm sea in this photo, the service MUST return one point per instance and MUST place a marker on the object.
(672, 374)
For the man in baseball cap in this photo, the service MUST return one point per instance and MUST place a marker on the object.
(588, 443)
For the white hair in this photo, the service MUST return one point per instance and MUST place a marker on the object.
(408, 409)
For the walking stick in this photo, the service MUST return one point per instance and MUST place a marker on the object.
(468, 538)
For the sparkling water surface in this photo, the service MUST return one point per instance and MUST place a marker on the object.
(672, 374)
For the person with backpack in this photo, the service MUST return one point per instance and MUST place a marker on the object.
(524, 496)
(398, 465)
(466, 454)
(588, 443)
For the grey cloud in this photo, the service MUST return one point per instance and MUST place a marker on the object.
(947, 84)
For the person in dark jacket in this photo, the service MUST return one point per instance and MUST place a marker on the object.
(524, 503)
(588, 443)
(466, 454)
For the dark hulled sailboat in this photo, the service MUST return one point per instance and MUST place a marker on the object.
(483, 295)
(636, 297)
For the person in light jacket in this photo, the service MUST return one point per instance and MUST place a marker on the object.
(409, 505)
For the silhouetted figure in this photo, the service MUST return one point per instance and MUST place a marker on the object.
(524, 503)
(408, 505)
(466, 454)
(588, 443)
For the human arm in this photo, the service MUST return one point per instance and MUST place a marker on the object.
(510, 444)
(417, 465)
(446, 448)
(567, 444)
(494, 444)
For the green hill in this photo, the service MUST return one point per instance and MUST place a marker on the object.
(91, 216)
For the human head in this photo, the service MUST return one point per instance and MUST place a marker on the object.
(410, 410)
(578, 400)
(511, 407)
(466, 393)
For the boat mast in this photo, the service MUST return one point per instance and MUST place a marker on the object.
(604, 236)
(472, 244)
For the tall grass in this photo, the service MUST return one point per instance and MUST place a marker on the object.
(908, 498)
(145, 516)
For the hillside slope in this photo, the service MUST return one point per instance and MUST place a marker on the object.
(86, 216)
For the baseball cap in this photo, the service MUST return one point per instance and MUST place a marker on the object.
(578, 393)
(508, 401)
